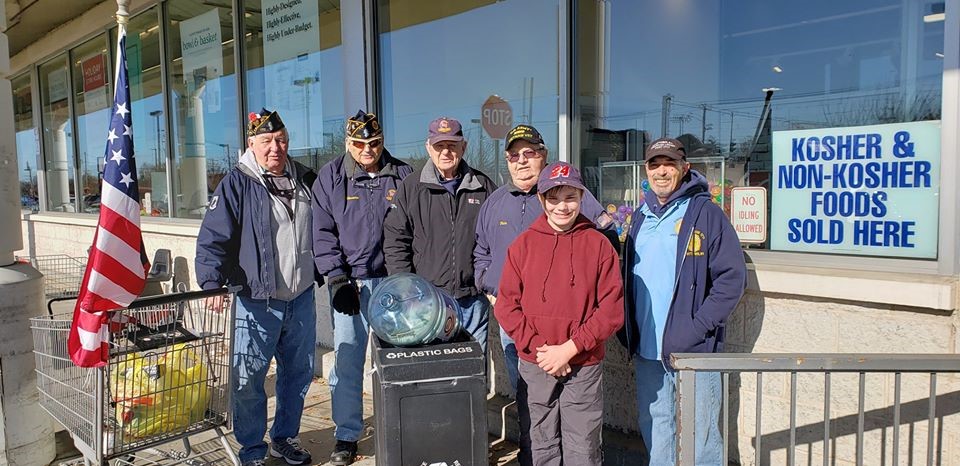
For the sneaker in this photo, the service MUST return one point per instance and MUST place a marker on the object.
(255, 463)
(290, 450)
(344, 453)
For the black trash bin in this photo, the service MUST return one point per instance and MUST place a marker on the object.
(429, 403)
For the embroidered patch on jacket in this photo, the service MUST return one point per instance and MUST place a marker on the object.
(390, 193)
(503, 222)
(473, 201)
(695, 246)
(353, 198)
(214, 202)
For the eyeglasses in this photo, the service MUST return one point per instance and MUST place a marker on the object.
(526, 153)
(361, 143)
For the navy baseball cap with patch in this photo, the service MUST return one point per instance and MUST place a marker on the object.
(667, 147)
(525, 132)
(444, 129)
(559, 174)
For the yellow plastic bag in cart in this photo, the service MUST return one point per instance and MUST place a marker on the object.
(160, 393)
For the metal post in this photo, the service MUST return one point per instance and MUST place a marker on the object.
(686, 419)
(665, 115)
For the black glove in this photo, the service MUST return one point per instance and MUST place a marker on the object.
(345, 297)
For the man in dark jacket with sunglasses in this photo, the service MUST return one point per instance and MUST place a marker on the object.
(351, 198)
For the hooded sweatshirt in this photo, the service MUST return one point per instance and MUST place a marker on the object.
(559, 286)
(710, 274)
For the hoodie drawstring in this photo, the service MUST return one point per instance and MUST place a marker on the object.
(573, 274)
(543, 290)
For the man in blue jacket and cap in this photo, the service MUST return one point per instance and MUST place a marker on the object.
(256, 234)
(509, 211)
(352, 195)
(685, 273)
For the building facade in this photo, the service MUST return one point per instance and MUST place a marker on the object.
(845, 114)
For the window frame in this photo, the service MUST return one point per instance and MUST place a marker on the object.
(947, 262)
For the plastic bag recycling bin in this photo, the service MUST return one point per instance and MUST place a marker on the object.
(429, 404)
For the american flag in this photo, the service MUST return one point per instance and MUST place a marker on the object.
(117, 266)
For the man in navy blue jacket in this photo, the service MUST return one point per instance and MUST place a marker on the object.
(256, 234)
(352, 195)
(684, 275)
(509, 211)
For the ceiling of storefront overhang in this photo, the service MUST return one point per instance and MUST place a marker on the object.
(29, 20)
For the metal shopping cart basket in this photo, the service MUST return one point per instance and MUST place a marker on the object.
(62, 274)
(168, 378)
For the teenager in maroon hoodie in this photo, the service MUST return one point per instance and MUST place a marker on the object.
(561, 297)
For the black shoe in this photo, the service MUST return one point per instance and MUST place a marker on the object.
(344, 453)
(290, 450)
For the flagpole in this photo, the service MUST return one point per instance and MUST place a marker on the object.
(122, 13)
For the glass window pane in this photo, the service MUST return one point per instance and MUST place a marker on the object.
(295, 67)
(92, 97)
(146, 107)
(57, 135)
(28, 149)
(738, 81)
(203, 100)
(447, 58)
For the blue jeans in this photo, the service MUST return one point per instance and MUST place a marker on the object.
(268, 328)
(475, 316)
(656, 407)
(346, 377)
(510, 358)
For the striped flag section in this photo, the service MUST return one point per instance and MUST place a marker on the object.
(117, 266)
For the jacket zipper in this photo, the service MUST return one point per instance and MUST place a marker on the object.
(676, 287)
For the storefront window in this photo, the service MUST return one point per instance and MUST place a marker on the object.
(58, 161)
(295, 67)
(832, 107)
(146, 110)
(449, 58)
(28, 149)
(92, 97)
(203, 100)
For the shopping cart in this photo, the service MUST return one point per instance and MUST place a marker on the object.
(167, 378)
(62, 274)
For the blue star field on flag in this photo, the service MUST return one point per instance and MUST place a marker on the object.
(120, 169)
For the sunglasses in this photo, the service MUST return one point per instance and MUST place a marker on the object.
(360, 143)
(526, 153)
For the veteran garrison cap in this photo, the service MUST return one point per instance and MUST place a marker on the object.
(525, 132)
(264, 122)
(363, 125)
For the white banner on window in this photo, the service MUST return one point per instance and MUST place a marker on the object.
(291, 28)
(201, 49)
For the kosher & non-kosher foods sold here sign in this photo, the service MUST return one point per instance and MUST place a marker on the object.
(863, 190)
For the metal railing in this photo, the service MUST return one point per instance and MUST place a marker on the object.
(688, 364)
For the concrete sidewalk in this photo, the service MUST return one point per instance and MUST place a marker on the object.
(316, 434)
